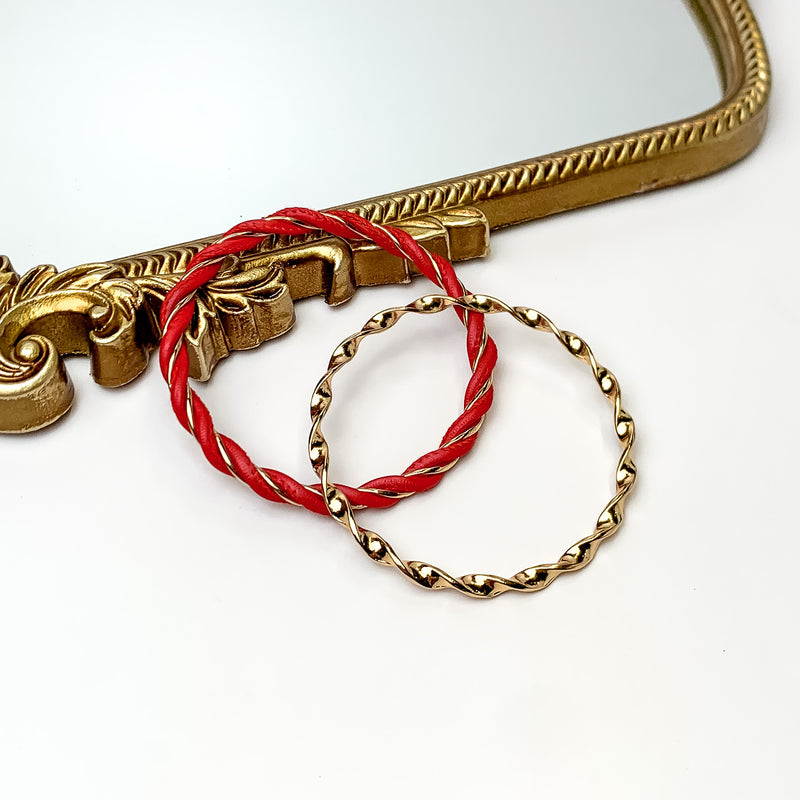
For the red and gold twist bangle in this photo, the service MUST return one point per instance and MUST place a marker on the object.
(227, 456)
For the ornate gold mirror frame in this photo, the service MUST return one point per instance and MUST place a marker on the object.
(109, 310)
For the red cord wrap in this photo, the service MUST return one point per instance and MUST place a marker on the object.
(227, 456)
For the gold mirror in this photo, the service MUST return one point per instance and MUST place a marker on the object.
(134, 142)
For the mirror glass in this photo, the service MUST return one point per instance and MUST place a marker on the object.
(131, 126)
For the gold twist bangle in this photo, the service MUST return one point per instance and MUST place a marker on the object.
(428, 576)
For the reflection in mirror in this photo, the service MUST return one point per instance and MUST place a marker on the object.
(140, 126)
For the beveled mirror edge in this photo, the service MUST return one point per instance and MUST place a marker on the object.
(644, 160)
(641, 161)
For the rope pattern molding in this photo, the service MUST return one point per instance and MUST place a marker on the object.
(227, 456)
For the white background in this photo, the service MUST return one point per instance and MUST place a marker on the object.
(165, 633)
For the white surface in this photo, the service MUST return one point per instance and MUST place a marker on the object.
(167, 634)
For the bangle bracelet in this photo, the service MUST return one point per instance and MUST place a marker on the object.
(178, 311)
(428, 576)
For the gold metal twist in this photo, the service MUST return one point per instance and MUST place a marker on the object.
(479, 585)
